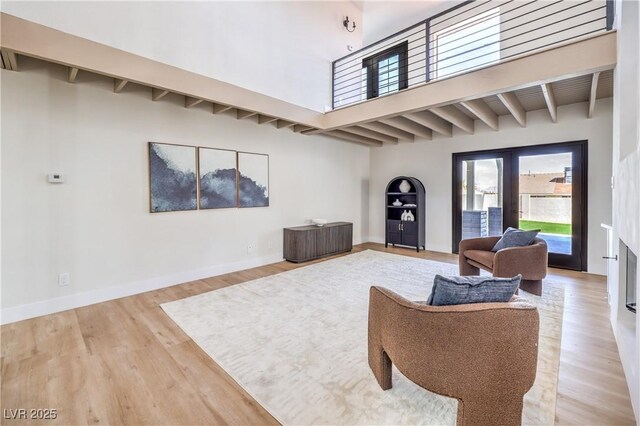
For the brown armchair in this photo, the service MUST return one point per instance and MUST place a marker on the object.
(482, 354)
(529, 261)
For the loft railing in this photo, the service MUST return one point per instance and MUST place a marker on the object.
(472, 35)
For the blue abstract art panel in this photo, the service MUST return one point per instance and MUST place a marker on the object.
(253, 187)
(172, 175)
(218, 178)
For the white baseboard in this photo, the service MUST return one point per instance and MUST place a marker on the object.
(77, 300)
(440, 249)
(378, 240)
(72, 301)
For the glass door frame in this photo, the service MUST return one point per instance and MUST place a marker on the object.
(458, 159)
(577, 260)
(511, 208)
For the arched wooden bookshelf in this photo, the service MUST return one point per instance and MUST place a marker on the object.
(402, 232)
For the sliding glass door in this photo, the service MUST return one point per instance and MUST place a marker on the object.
(480, 182)
(551, 196)
(538, 187)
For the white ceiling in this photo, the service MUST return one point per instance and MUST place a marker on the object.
(385, 17)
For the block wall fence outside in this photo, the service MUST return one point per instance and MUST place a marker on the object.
(474, 224)
(495, 221)
(97, 224)
(547, 209)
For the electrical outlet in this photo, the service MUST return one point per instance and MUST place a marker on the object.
(270, 244)
(249, 248)
(64, 279)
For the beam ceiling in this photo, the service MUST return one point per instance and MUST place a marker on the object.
(579, 71)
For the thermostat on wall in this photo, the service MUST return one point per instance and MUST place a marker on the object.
(55, 177)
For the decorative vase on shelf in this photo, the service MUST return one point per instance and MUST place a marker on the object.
(410, 217)
(403, 216)
(405, 186)
(397, 203)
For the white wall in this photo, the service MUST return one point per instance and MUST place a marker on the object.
(97, 225)
(383, 18)
(431, 162)
(626, 194)
(280, 48)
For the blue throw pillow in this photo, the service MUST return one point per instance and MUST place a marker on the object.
(513, 237)
(474, 289)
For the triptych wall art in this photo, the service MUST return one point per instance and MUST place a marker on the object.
(189, 178)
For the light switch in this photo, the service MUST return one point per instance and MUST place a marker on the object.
(64, 279)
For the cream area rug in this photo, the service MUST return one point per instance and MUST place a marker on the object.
(297, 342)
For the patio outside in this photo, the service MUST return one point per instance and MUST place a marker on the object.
(545, 188)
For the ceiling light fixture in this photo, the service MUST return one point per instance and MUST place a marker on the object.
(345, 23)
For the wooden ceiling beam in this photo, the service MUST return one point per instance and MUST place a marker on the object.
(480, 109)
(566, 60)
(388, 130)
(313, 131)
(264, 119)
(512, 103)
(219, 109)
(431, 121)
(242, 114)
(299, 128)
(72, 74)
(190, 102)
(157, 94)
(118, 85)
(372, 134)
(594, 91)
(39, 41)
(550, 99)
(455, 117)
(283, 124)
(408, 126)
(10, 59)
(563, 61)
(341, 134)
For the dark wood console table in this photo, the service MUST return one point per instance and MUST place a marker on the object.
(304, 243)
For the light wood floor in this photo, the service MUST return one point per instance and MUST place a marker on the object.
(125, 361)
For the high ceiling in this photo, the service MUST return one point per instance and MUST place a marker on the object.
(382, 18)
(579, 71)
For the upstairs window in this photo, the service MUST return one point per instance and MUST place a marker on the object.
(469, 44)
(386, 71)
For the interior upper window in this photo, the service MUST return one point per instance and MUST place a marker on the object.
(386, 72)
(465, 45)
